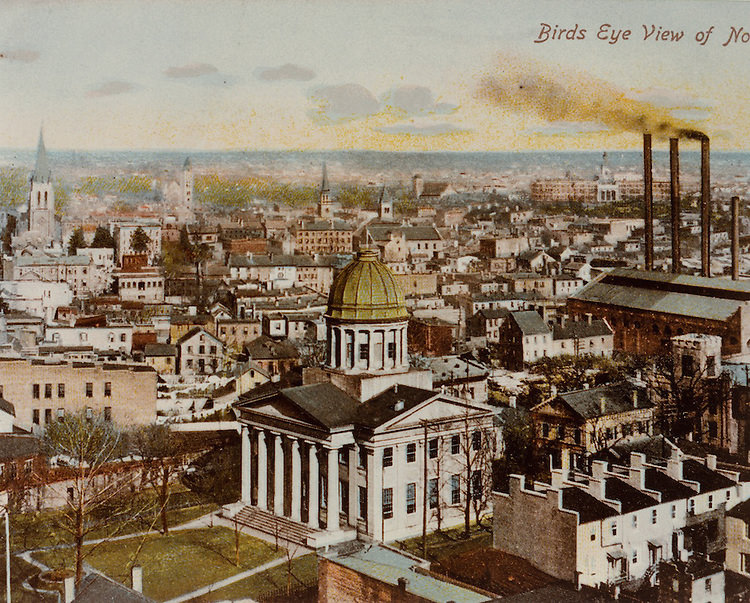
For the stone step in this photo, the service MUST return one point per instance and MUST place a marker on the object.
(274, 525)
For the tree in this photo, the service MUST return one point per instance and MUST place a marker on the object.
(520, 453)
(8, 232)
(89, 445)
(216, 474)
(159, 448)
(139, 240)
(103, 238)
(76, 241)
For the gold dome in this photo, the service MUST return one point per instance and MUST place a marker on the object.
(366, 291)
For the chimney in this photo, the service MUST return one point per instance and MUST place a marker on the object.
(711, 462)
(674, 195)
(635, 398)
(735, 238)
(69, 589)
(552, 391)
(602, 404)
(136, 578)
(402, 584)
(705, 207)
(512, 401)
(648, 202)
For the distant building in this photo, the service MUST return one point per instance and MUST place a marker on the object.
(325, 237)
(199, 353)
(41, 202)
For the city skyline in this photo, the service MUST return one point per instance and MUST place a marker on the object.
(364, 75)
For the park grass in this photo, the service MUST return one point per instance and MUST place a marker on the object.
(304, 571)
(175, 564)
(447, 543)
(20, 571)
(41, 529)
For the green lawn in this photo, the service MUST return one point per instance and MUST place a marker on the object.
(36, 530)
(304, 571)
(448, 542)
(20, 571)
(175, 564)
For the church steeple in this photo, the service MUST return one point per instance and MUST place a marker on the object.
(41, 169)
(324, 204)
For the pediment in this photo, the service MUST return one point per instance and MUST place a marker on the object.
(432, 410)
(556, 408)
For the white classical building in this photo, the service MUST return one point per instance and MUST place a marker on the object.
(345, 453)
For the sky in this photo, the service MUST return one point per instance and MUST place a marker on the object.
(452, 75)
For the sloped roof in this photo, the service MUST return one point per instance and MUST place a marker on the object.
(530, 322)
(265, 348)
(679, 294)
(707, 478)
(670, 488)
(631, 498)
(577, 329)
(325, 402)
(587, 507)
(321, 225)
(159, 349)
(617, 397)
(41, 168)
(98, 588)
(382, 408)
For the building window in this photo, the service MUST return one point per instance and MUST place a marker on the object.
(745, 562)
(362, 502)
(708, 585)
(47, 416)
(545, 430)
(107, 413)
(362, 457)
(476, 485)
(391, 350)
(455, 489)
(613, 528)
(35, 390)
(364, 351)
(89, 413)
(411, 453)
(47, 390)
(411, 497)
(388, 457)
(60, 390)
(432, 492)
(674, 511)
(710, 501)
(89, 390)
(691, 507)
(635, 521)
(35, 418)
(635, 557)
(60, 414)
(387, 503)
(432, 448)
(455, 444)
(476, 440)
(108, 389)
(653, 515)
(28, 466)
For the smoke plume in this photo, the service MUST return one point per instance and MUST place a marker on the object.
(528, 87)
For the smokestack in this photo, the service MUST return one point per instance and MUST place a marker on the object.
(735, 238)
(648, 202)
(705, 207)
(674, 195)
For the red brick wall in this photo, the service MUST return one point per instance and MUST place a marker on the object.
(338, 584)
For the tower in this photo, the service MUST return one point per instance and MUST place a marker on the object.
(41, 207)
(324, 203)
(187, 184)
(385, 209)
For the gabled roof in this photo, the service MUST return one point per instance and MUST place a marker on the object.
(322, 225)
(708, 479)
(530, 322)
(631, 498)
(159, 349)
(98, 588)
(265, 348)
(617, 398)
(15, 446)
(324, 401)
(578, 329)
(670, 488)
(382, 408)
(193, 332)
(587, 507)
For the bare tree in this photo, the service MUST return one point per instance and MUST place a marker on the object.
(162, 458)
(89, 445)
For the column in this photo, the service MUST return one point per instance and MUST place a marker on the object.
(332, 523)
(313, 492)
(353, 483)
(247, 460)
(262, 471)
(278, 476)
(296, 510)
(371, 363)
(374, 494)
(404, 347)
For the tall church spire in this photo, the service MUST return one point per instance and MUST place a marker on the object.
(324, 203)
(324, 185)
(41, 169)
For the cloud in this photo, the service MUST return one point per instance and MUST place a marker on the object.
(671, 99)
(285, 72)
(415, 100)
(567, 128)
(337, 104)
(21, 56)
(422, 127)
(191, 70)
(111, 88)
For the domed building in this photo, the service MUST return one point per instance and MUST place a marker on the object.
(344, 453)
(366, 319)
